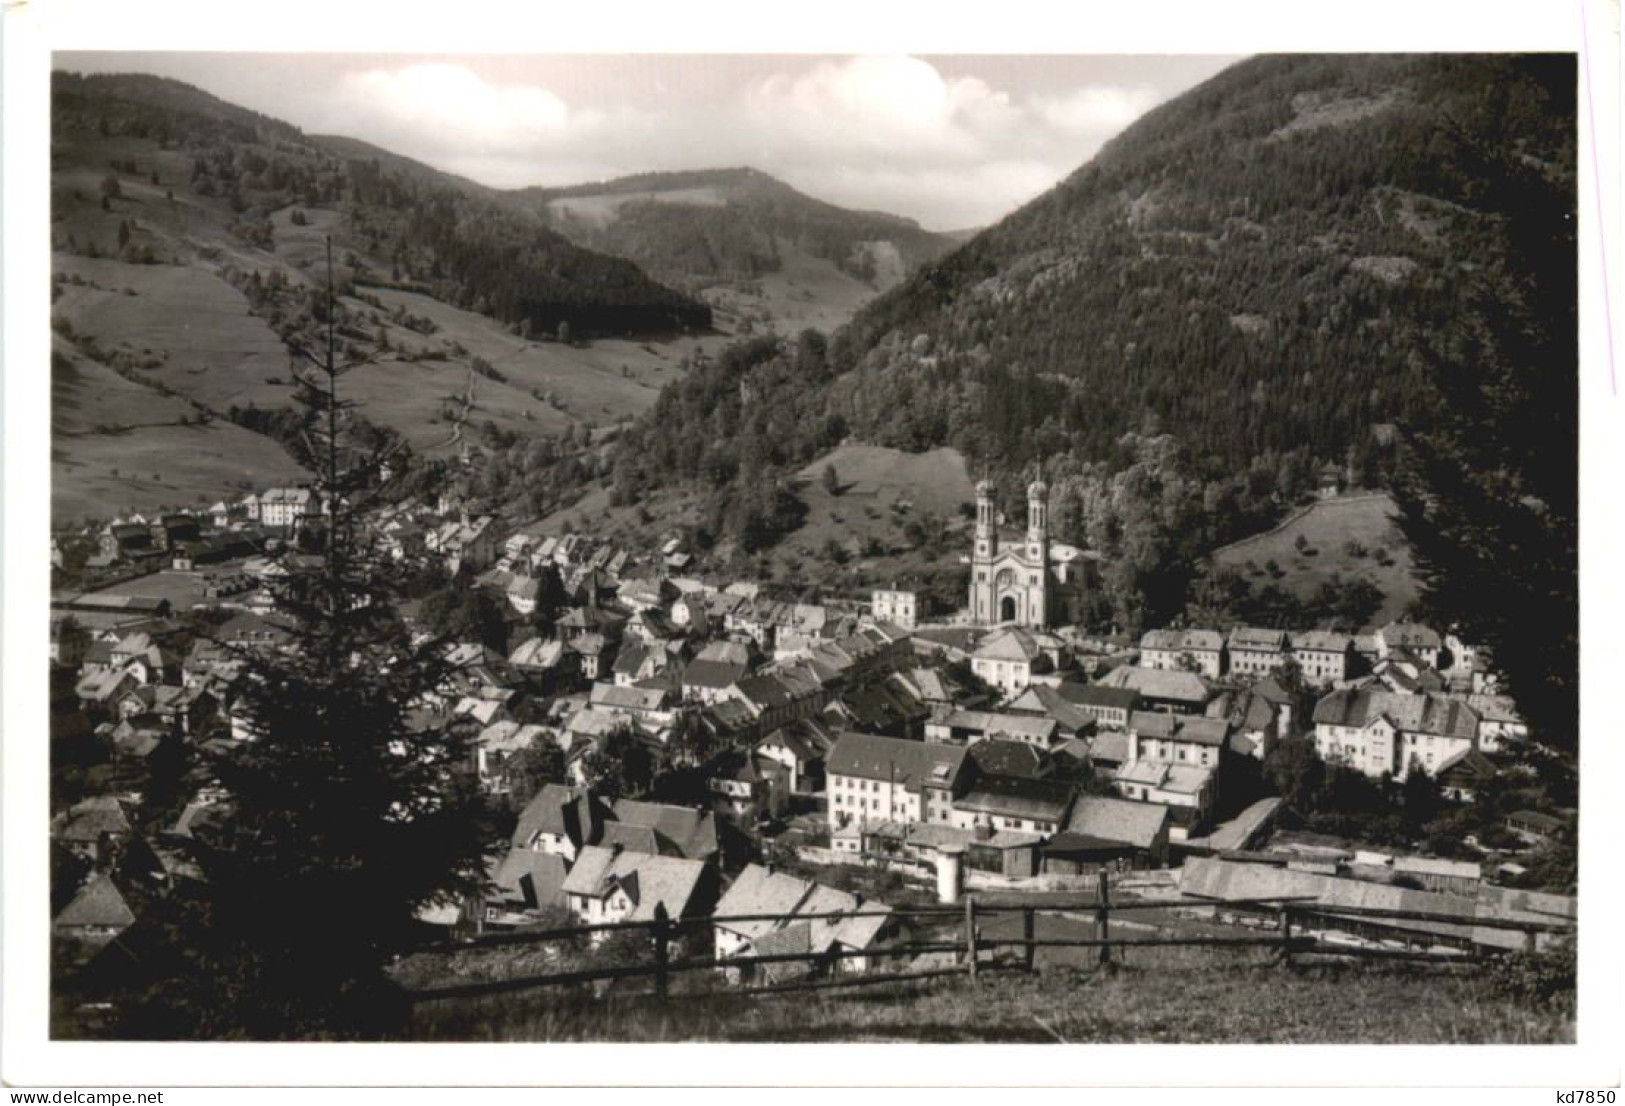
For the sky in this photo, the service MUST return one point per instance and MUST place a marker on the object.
(951, 141)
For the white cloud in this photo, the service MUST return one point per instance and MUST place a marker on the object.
(1095, 109)
(449, 106)
(882, 132)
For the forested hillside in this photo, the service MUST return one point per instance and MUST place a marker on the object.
(730, 224)
(419, 226)
(1232, 295)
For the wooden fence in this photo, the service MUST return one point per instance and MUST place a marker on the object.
(960, 931)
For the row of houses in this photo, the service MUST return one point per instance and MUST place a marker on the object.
(1325, 658)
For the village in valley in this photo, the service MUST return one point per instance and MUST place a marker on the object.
(696, 746)
(473, 607)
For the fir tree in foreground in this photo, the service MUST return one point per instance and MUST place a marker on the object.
(1490, 491)
(348, 816)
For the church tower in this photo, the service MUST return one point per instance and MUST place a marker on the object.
(985, 549)
(1038, 551)
(1038, 521)
(987, 531)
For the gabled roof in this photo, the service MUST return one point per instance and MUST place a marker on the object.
(1039, 728)
(1045, 800)
(1013, 644)
(1184, 687)
(1184, 779)
(1409, 635)
(1109, 746)
(1495, 708)
(757, 890)
(689, 833)
(807, 739)
(537, 878)
(88, 820)
(1099, 696)
(1174, 727)
(613, 697)
(648, 880)
(1048, 701)
(760, 890)
(713, 674)
(1469, 763)
(637, 839)
(910, 763)
(926, 684)
(1136, 824)
(1008, 758)
(1432, 866)
(1320, 641)
(1270, 689)
(509, 736)
(538, 653)
(98, 904)
(770, 690)
(592, 722)
(570, 812)
(1423, 714)
(1183, 641)
(1257, 639)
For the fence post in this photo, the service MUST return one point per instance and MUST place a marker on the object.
(1028, 952)
(1530, 941)
(662, 952)
(1286, 934)
(970, 934)
(1104, 919)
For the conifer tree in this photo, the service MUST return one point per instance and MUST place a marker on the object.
(1490, 490)
(351, 808)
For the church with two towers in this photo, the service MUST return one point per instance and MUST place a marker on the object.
(1014, 584)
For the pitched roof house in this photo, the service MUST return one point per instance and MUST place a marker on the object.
(613, 884)
(803, 925)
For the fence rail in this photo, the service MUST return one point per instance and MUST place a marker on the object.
(959, 932)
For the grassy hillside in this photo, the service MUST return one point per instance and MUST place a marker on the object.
(120, 444)
(893, 517)
(1350, 538)
(189, 245)
(1187, 996)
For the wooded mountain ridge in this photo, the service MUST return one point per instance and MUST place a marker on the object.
(730, 224)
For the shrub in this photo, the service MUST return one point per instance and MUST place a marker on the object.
(1541, 978)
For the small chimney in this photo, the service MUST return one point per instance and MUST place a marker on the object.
(771, 867)
(950, 874)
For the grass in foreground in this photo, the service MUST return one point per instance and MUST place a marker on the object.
(1189, 997)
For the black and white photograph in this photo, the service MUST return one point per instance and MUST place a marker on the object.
(1049, 547)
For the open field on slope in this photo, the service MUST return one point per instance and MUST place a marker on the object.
(1329, 527)
(599, 383)
(601, 210)
(806, 292)
(210, 348)
(118, 446)
(933, 481)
